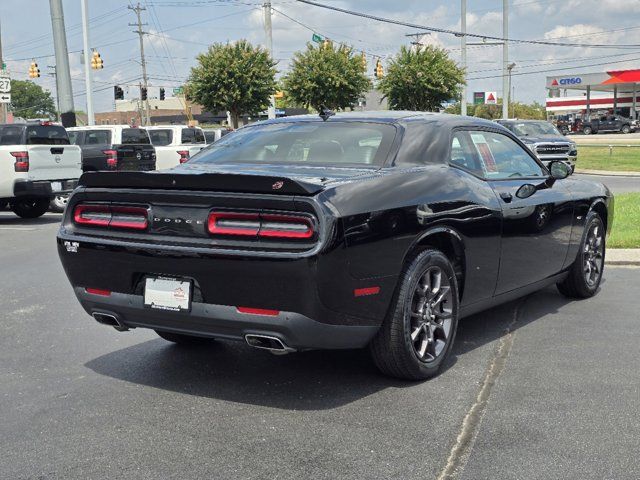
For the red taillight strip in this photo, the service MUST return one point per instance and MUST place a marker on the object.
(98, 291)
(261, 225)
(218, 228)
(22, 161)
(184, 156)
(279, 224)
(363, 292)
(135, 218)
(258, 311)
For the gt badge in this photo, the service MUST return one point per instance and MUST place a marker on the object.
(278, 185)
(72, 247)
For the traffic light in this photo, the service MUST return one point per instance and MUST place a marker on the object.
(161, 93)
(364, 61)
(34, 71)
(143, 93)
(379, 70)
(96, 61)
(118, 93)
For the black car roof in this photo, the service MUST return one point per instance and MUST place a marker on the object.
(391, 116)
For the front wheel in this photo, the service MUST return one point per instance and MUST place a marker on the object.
(585, 273)
(416, 337)
(626, 129)
(587, 130)
(30, 207)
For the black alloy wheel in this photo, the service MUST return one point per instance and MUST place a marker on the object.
(416, 337)
(586, 271)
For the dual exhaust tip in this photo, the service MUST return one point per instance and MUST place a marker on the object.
(265, 342)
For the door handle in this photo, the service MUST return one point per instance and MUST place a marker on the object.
(506, 196)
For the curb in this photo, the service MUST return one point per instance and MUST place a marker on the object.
(623, 256)
(607, 173)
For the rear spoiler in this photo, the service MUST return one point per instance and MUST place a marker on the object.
(219, 182)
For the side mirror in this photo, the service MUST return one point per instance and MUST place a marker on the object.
(559, 170)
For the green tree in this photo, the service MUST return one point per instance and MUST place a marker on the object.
(326, 75)
(29, 100)
(237, 77)
(421, 79)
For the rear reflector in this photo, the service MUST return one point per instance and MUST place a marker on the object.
(112, 216)
(21, 163)
(363, 292)
(98, 291)
(260, 225)
(258, 311)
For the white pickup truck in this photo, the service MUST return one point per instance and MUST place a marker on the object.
(175, 144)
(37, 163)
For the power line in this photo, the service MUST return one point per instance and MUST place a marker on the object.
(458, 33)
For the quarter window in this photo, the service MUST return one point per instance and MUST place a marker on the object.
(499, 157)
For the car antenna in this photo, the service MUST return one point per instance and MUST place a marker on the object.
(325, 113)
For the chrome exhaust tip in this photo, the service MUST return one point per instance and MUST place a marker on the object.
(266, 342)
(111, 320)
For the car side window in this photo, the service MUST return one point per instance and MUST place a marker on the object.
(463, 154)
(501, 157)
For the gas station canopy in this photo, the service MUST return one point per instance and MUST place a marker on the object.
(619, 89)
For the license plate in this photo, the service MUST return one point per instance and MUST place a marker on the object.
(56, 186)
(167, 294)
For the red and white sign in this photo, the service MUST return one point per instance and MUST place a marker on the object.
(491, 98)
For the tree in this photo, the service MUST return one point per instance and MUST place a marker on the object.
(533, 111)
(326, 75)
(30, 100)
(421, 79)
(237, 77)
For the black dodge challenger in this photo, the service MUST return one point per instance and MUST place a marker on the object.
(340, 231)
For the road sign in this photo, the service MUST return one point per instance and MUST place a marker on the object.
(5, 98)
(178, 90)
(5, 84)
(478, 98)
(317, 38)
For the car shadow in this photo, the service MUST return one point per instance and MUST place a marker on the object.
(312, 380)
(8, 218)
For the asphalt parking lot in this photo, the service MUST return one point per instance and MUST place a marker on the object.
(541, 388)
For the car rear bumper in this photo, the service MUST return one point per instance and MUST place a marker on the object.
(43, 188)
(295, 330)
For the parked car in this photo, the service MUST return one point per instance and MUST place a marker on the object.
(175, 144)
(37, 163)
(544, 139)
(214, 134)
(609, 123)
(377, 228)
(114, 147)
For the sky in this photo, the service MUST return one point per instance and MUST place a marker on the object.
(180, 29)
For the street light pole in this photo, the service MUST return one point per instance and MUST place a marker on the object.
(509, 68)
(463, 54)
(505, 58)
(266, 8)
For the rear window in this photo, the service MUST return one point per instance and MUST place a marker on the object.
(46, 135)
(97, 137)
(134, 136)
(319, 143)
(10, 135)
(74, 137)
(161, 138)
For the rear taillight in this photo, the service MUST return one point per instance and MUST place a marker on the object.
(184, 156)
(112, 158)
(22, 161)
(260, 225)
(111, 216)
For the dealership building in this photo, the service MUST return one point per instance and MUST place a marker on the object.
(586, 93)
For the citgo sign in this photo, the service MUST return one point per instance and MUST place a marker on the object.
(567, 81)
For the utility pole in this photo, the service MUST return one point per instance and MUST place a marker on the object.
(63, 74)
(510, 67)
(87, 65)
(463, 54)
(54, 74)
(143, 63)
(3, 108)
(505, 59)
(266, 9)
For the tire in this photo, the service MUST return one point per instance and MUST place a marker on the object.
(585, 273)
(587, 130)
(30, 207)
(3, 205)
(626, 129)
(181, 339)
(58, 203)
(396, 347)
